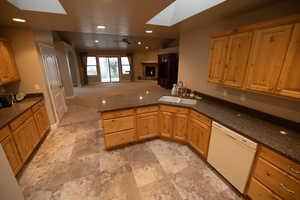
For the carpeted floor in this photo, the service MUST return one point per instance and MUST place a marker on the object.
(72, 164)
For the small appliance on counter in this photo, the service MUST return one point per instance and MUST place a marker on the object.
(6, 100)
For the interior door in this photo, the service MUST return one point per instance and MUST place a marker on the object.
(267, 57)
(109, 69)
(289, 81)
(54, 79)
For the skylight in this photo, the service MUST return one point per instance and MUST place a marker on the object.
(181, 10)
(50, 6)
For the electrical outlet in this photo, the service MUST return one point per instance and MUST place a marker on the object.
(37, 86)
(225, 93)
(243, 97)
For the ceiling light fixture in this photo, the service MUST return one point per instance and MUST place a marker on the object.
(149, 31)
(96, 41)
(146, 47)
(139, 43)
(101, 27)
(18, 20)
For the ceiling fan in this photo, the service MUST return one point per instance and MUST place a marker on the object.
(124, 40)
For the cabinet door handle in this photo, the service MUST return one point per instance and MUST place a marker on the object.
(293, 170)
(286, 189)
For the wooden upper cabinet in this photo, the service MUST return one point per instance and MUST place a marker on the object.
(267, 57)
(8, 68)
(236, 59)
(217, 59)
(289, 81)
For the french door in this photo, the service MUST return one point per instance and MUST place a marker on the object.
(109, 69)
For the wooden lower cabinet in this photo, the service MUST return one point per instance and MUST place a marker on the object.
(119, 138)
(276, 173)
(166, 124)
(147, 125)
(118, 124)
(198, 136)
(26, 138)
(180, 126)
(42, 121)
(257, 191)
(11, 153)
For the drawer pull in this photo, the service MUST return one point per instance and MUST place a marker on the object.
(286, 189)
(293, 170)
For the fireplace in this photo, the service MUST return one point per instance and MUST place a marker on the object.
(150, 71)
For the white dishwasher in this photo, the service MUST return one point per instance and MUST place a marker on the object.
(231, 155)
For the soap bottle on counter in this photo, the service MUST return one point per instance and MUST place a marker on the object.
(174, 90)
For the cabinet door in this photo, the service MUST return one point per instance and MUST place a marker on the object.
(289, 81)
(8, 69)
(267, 56)
(166, 124)
(180, 126)
(42, 121)
(12, 154)
(198, 136)
(26, 138)
(236, 59)
(147, 125)
(217, 59)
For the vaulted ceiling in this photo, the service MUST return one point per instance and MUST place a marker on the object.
(122, 18)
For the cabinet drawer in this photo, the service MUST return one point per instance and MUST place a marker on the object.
(146, 109)
(281, 162)
(173, 109)
(258, 191)
(4, 132)
(205, 120)
(277, 180)
(37, 106)
(117, 114)
(118, 124)
(20, 120)
(119, 138)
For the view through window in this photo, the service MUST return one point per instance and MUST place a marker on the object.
(109, 69)
(91, 66)
(125, 65)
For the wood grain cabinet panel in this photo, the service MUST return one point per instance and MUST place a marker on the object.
(42, 121)
(198, 136)
(267, 56)
(180, 126)
(8, 68)
(280, 182)
(166, 124)
(26, 138)
(217, 59)
(12, 154)
(147, 125)
(118, 124)
(289, 81)
(237, 59)
(257, 191)
(119, 138)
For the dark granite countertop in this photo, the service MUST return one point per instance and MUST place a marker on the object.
(255, 128)
(10, 113)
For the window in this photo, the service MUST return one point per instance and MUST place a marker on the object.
(125, 65)
(91, 67)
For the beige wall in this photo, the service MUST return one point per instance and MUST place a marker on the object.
(23, 42)
(193, 63)
(139, 57)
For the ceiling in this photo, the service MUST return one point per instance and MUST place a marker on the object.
(123, 19)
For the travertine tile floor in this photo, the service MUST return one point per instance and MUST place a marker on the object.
(72, 164)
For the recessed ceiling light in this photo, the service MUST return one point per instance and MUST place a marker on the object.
(149, 31)
(146, 47)
(18, 20)
(96, 41)
(101, 27)
(139, 43)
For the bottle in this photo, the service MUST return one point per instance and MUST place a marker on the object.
(174, 90)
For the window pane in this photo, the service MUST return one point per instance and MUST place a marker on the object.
(124, 61)
(114, 70)
(104, 70)
(91, 70)
(125, 69)
(91, 60)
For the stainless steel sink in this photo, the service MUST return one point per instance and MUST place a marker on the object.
(172, 99)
